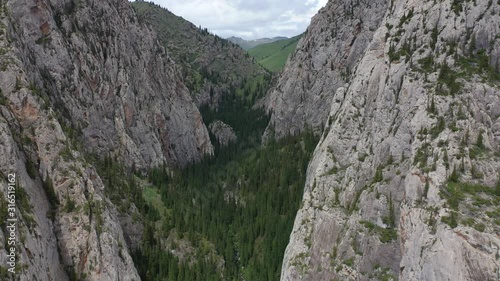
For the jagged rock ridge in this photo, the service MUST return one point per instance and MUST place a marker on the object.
(76, 79)
(111, 80)
(404, 183)
(211, 66)
(304, 91)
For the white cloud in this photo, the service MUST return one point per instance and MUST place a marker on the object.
(249, 19)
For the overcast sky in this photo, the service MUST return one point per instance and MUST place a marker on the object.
(249, 19)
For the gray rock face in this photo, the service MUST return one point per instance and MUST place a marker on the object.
(84, 71)
(39, 250)
(84, 233)
(80, 237)
(111, 79)
(223, 132)
(325, 57)
(411, 112)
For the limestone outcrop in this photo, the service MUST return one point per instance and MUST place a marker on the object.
(111, 80)
(222, 132)
(80, 79)
(404, 183)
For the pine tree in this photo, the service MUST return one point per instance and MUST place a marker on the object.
(479, 142)
(378, 175)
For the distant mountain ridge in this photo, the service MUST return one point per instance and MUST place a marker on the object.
(249, 44)
(273, 56)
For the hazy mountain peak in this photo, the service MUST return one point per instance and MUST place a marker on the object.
(248, 44)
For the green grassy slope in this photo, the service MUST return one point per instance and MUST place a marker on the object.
(249, 44)
(274, 55)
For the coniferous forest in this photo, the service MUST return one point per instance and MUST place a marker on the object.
(226, 218)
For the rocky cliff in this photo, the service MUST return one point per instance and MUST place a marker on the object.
(211, 66)
(222, 132)
(83, 78)
(404, 183)
(324, 58)
(110, 79)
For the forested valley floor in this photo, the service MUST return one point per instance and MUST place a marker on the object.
(225, 218)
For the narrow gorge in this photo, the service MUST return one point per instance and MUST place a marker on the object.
(143, 147)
